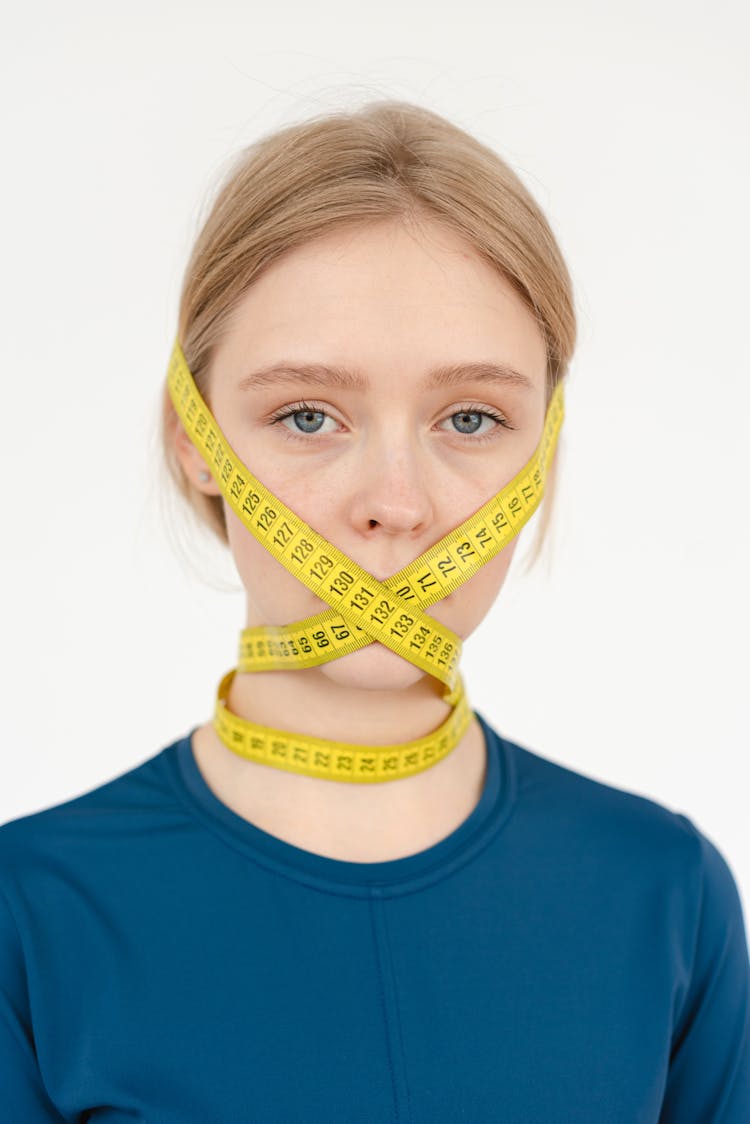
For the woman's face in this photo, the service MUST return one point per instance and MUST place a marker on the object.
(384, 468)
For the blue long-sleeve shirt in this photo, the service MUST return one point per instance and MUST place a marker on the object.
(571, 952)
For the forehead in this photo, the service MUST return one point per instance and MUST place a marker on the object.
(384, 296)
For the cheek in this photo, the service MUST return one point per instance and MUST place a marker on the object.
(274, 595)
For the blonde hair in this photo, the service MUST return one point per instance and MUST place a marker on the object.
(387, 160)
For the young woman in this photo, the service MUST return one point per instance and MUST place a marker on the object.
(345, 896)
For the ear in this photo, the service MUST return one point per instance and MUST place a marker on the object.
(191, 460)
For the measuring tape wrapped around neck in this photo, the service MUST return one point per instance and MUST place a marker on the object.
(362, 609)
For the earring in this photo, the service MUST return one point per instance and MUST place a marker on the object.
(204, 476)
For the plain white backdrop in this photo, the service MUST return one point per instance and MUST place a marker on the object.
(625, 654)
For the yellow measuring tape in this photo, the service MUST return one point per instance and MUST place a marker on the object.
(362, 609)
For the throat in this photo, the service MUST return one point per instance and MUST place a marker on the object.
(350, 822)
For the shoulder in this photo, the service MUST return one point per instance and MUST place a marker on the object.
(81, 829)
(605, 825)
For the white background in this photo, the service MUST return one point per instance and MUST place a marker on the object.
(624, 656)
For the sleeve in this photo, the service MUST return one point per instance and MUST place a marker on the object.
(708, 1081)
(23, 1096)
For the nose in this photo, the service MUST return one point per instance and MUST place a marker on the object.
(391, 487)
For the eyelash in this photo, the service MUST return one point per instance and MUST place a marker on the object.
(301, 407)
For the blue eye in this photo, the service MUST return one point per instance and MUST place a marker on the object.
(468, 420)
(309, 420)
(471, 418)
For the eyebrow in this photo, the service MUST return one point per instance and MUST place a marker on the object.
(447, 375)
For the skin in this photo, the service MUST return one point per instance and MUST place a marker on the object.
(383, 474)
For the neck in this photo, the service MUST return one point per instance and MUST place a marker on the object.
(358, 823)
(307, 701)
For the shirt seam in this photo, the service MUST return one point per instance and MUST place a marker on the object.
(396, 1005)
(682, 1014)
(374, 903)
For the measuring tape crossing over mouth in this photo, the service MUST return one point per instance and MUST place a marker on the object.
(362, 608)
(433, 575)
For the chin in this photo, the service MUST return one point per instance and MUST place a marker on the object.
(374, 668)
